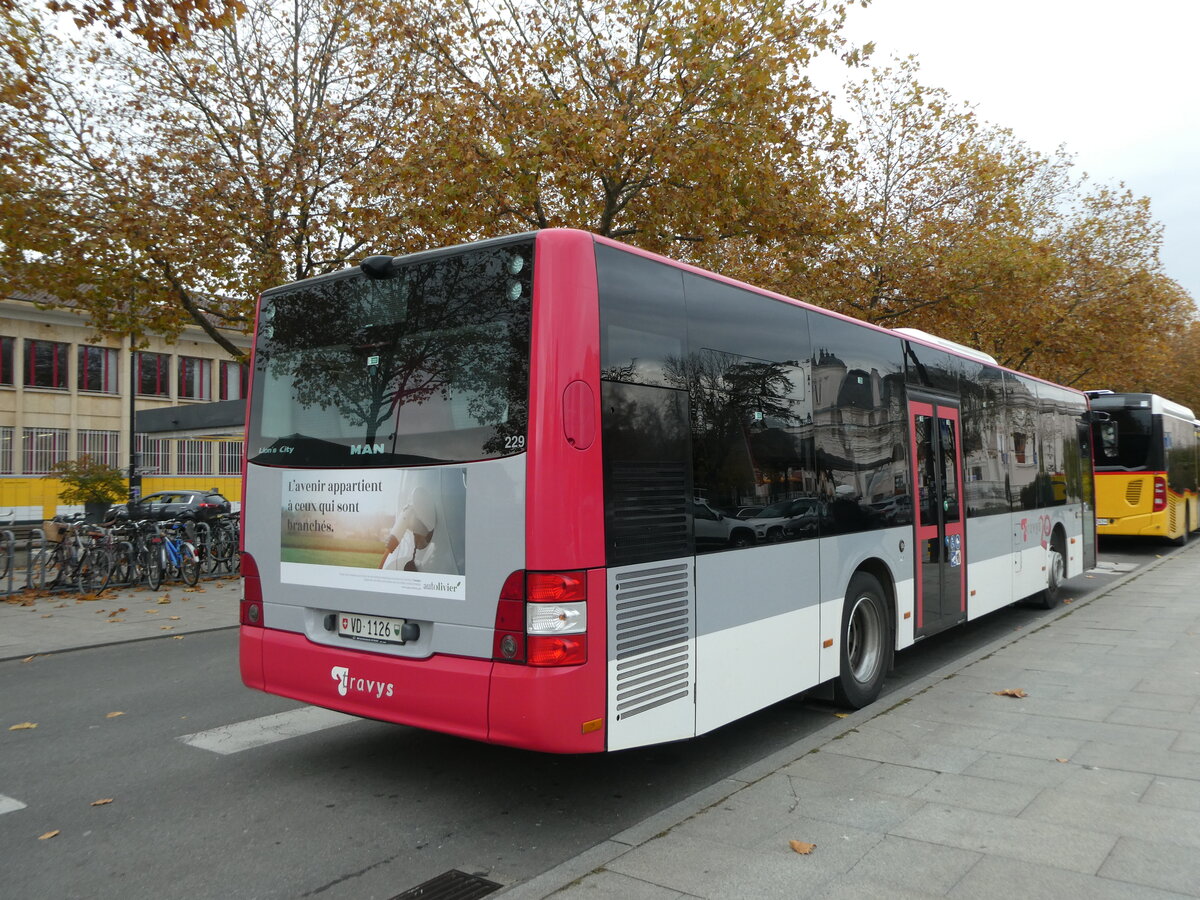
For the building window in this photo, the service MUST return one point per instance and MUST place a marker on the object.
(6, 360)
(42, 448)
(6, 449)
(101, 446)
(98, 369)
(229, 460)
(195, 378)
(153, 455)
(153, 374)
(235, 377)
(193, 457)
(46, 364)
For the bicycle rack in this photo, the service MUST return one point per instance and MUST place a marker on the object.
(10, 545)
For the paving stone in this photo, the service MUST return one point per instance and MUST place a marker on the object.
(882, 746)
(1133, 736)
(997, 878)
(1177, 793)
(986, 794)
(1116, 815)
(1023, 839)
(1020, 770)
(905, 865)
(1155, 718)
(1034, 745)
(1167, 866)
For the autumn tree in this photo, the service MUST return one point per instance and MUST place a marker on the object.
(681, 126)
(154, 189)
(956, 227)
(160, 23)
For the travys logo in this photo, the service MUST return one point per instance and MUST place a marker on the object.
(347, 683)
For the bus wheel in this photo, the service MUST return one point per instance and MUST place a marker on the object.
(1187, 528)
(864, 642)
(1055, 570)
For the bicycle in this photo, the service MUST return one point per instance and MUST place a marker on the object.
(178, 554)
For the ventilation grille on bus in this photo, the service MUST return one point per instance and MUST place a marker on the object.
(1172, 517)
(651, 638)
(647, 508)
(1133, 492)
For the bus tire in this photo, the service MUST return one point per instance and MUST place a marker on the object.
(1187, 528)
(865, 642)
(1056, 567)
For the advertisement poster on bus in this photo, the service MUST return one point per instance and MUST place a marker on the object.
(386, 530)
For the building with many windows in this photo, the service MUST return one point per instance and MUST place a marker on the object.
(63, 396)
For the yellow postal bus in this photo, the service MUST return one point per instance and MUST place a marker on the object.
(1146, 460)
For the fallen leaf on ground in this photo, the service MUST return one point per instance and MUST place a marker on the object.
(177, 637)
(164, 599)
(49, 834)
(48, 616)
(116, 612)
(1011, 692)
(29, 658)
(1060, 759)
(104, 802)
(23, 726)
(174, 618)
(801, 847)
(166, 627)
(111, 619)
(841, 715)
(151, 611)
(113, 715)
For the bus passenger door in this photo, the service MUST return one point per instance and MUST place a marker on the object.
(938, 523)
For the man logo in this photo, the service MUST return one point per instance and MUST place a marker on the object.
(365, 449)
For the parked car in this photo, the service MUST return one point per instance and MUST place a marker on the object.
(182, 504)
(748, 512)
(715, 529)
(790, 520)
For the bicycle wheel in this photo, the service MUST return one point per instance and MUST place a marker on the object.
(152, 563)
(124, 568)
(189, 566)
(93, 572)
(48, 566)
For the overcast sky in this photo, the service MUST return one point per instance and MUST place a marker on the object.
(1118, 83)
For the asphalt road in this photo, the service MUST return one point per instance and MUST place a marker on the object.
(363, 809)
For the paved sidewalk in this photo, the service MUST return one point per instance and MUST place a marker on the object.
(46, 622)
(1089, 786)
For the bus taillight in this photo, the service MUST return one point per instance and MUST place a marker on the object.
(1160, 493)
(541, 619)
(252, 596)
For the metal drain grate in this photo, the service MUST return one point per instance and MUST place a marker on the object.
(452, 885)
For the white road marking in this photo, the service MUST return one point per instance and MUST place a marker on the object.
(267, 730)
(9, 804)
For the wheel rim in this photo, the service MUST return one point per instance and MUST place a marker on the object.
(1055, 577)
(864, 639)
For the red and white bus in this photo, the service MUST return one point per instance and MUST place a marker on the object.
(490, 491)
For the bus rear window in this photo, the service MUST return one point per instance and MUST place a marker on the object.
(1124, 441)
(429, 365)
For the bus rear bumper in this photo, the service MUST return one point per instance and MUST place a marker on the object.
(551, 710)
(1150, 525)
(442, 693)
